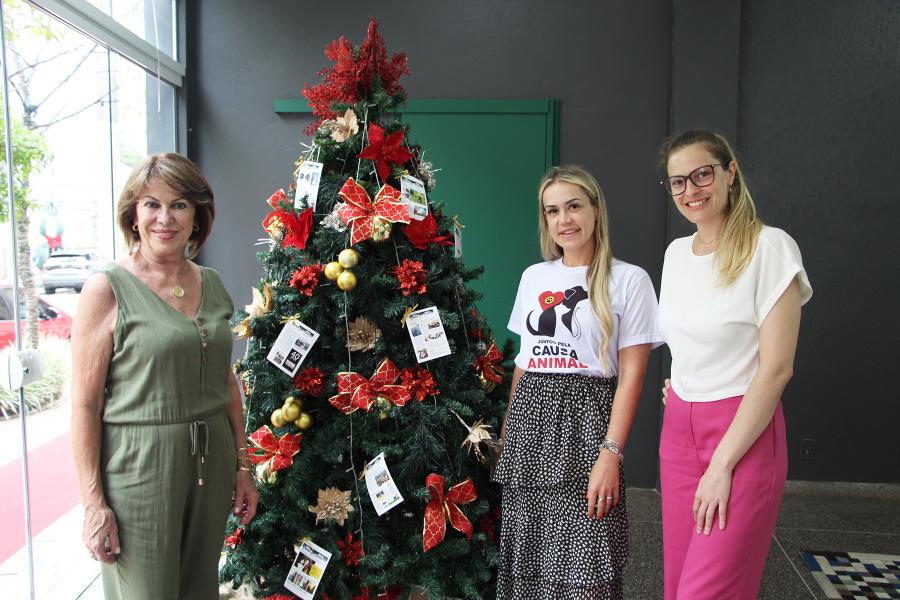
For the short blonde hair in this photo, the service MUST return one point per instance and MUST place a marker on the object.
(180, 174)
(601, 259)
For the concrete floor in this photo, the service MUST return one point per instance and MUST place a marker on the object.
(814, 516)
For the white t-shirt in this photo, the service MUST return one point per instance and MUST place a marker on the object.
(713, 330)
(559, 332)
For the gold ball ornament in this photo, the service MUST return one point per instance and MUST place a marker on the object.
(290, 411)
(486, 383)
(346, 281)
(333, 270)
(383, 406)
(304, 421)
(277, 418)
(348, 258)
(381, 230)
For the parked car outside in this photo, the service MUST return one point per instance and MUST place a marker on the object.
(67, 270)
(53, 321)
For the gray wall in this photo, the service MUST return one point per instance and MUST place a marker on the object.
(608, 62)
(819, 128)
(809, 98)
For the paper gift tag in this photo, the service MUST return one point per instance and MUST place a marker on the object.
(306, 572)
(412, 194)
(427, 333)
(292, 346)
(307, 186)
(382, 489)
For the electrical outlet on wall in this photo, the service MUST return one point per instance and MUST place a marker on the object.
(807, 449)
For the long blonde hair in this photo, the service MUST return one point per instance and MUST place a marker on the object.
(742, 225)
(601, 259)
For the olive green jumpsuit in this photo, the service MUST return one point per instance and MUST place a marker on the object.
(168, 458)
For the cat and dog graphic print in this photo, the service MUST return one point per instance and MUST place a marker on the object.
(558, 329)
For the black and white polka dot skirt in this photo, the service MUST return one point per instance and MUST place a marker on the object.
(549, 548)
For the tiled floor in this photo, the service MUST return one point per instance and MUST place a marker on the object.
(814, 516)
(819, 516)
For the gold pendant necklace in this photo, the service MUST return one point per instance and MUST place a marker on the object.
(177, 290)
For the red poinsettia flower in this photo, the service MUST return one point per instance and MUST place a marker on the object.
(424, 232)
(306, 279)
(293, 230)
(420, 383)
(383, 150)
(350, 551)
(411, 275)
(310, 381)
(362, 595)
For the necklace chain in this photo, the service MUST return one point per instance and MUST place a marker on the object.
(177, 289)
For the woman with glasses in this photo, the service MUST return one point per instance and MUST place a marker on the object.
(729, 309)
(587, 323)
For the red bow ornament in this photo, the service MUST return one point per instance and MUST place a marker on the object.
(488, 366)
(383, 150)
(424, 232)
(367, 218)
(355, 391)
(235, 538)
(272, 452)
(442, 505)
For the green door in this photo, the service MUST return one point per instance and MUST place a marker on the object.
(491, 155)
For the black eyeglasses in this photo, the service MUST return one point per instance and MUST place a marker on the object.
(701, 177)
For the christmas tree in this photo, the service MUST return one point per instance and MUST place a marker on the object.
(372, 383)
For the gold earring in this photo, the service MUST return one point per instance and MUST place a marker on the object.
(134, 227)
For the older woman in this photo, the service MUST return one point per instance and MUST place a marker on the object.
(157, 421)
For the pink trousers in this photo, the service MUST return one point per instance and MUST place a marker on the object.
(727, 564)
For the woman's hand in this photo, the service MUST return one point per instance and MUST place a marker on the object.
(101, 534)
(665, 390)
(711, 496)
(245, 497)
(603, 485)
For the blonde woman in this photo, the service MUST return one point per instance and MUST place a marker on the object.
(587, 324)
(730, 312)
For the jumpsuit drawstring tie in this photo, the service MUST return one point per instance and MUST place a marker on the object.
(196, 449)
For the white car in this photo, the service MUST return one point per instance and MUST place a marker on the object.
(67, 270)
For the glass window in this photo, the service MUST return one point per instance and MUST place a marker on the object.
(85, 116)
(152, 20)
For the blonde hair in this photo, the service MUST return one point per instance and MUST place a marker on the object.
(740, 232)
(601, 258)
(180, 174)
